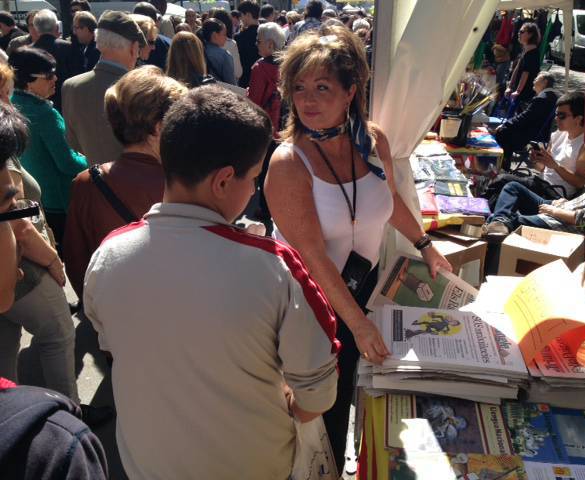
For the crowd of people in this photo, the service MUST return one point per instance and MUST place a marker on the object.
(127, 153)
(549, 194)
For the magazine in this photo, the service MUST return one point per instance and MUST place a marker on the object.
(448, 339)
(462, 466)
(554, 471)
(542, 433)
(407, 282)
(439, 424)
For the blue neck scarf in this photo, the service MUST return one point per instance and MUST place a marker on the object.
(359, 135)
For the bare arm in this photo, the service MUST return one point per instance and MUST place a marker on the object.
(288, 190)
(576, 178)
(522, 83)
(8, 267)
(566, 216)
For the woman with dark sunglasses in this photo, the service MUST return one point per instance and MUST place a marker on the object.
(527, 67)
(48, 157)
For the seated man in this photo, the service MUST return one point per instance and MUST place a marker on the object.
(517, 205)
(561, 164)
(234, 319)
(534, 123)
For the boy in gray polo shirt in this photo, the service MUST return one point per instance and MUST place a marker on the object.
(208, 325)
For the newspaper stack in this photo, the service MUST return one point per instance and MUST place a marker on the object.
(444, 352)
(555, 375)
(435, 348)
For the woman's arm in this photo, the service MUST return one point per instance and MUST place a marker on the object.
(521, 84)
(289, 194)
(8, 267)
(35, 248)
(402, 218)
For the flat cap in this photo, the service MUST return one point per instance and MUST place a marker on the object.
(122, 24)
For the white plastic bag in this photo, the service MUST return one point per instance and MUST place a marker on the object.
(313, 457)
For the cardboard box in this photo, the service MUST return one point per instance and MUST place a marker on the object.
(460, 252)
(528, 248)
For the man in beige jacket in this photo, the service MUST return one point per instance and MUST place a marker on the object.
(118, 39)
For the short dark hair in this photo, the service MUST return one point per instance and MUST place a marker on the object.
(7, 19)
(204, 129)
(13, 133)
(314, 9)
(236, 14)
(281, 20)
(210, 26)
(84, 4)
(86, 19)
(247, 6)
(147, 9)
(27, 61)
(266, 10)
(576, 102)
(225, 18)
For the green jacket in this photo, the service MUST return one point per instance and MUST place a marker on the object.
(48, 157)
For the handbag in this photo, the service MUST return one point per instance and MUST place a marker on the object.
(95, 173)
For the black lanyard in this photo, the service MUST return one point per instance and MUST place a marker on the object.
(351, 207)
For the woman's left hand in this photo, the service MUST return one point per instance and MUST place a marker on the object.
(435, 260)
(57, 271)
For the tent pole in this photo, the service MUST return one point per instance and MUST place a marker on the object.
(381, 52)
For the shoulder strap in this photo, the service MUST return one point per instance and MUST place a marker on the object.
(96, 175)
(303, 158)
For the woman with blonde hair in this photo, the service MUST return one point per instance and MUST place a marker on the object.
(186, 61)
(111, 195)
(150, 32)
(331, 190)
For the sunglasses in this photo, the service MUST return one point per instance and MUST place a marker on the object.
(23, 209)
(46, 76)
(561, 115)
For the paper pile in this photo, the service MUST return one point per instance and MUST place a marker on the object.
(436, 349)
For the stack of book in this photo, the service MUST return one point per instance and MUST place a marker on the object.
(439, 437)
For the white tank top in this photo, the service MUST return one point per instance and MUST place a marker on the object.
(374, 209)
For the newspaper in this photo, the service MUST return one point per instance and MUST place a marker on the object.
(462, 466)
(446, 339)
(554, 471)
(407, 282)
(439, 424)
(556, 360)
(546, 304)
(542, 433)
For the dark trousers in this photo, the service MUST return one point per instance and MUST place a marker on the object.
(337, 419)
(518, 205)
(56, 221)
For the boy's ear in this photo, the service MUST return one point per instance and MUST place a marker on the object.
(220, 181)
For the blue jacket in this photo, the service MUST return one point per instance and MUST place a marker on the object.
(219, 63)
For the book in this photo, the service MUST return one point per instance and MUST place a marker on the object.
(463, 205)
(554, 471)
(542, 433)
(425, 424)
(404, 465)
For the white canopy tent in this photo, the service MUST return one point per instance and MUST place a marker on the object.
(420, 52)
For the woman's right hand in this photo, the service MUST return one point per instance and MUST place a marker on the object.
(370, 342)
